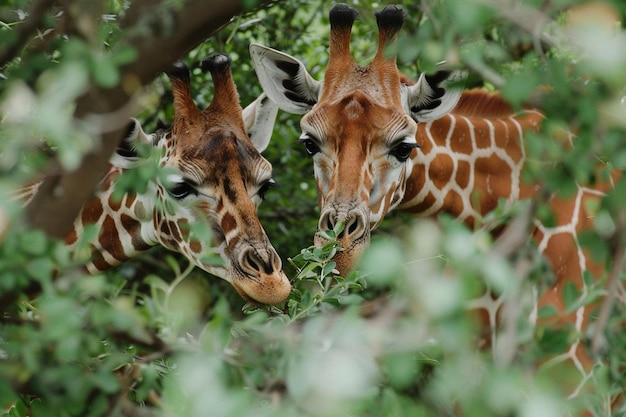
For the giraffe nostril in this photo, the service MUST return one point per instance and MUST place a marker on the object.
(329, 223)
(253, 261)
(353, 226)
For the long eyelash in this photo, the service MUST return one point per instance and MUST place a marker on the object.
(413, 145)
(308, 136)
(266, 187)
(303, 139)
(182, 189)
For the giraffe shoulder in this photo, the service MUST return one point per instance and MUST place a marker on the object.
(482, 103)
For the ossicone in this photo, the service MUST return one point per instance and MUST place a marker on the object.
(390, 18)
(218, 63)
(178, 71)
(184, 108)
(225, 92)
(342, 16)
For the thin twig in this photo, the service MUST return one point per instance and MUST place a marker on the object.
(506, 348)
(526, 17)
(598, 341)
(25, 31)
(487, 73)
(508, 245)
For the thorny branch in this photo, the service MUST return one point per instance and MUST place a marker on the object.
(512, 240)
(509, 244)
(531, 20)
(25, 31)
(598, 341)
(528, 18)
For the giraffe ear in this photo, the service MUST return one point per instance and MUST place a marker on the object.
(126, 154)
(134, 134)
(285, 79)
(432, 96)
(258, 120)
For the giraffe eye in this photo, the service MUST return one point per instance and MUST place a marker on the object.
(403, 150)
(182, 189)
(265, 187)
(310, 145)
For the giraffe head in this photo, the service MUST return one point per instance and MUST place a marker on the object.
(359, 124)
(214, 176)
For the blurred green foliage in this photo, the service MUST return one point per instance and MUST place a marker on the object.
(157, 338)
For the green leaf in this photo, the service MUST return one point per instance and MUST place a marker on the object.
(292, 307)
(98, 406)
(604, 224)
(547, 311)
(469, 16)
(595, 244)
(383, 263)
(401, 369)
(570, 294)
(307, 300)
(616, 199)
(105, 72)
(588, 278)
(8, 396)
(351, 299)
(554, 340)
(334, 301)
(33, 242)
(147, 382)
(124, 55)
(307, 271)
(106, 381)
(328, 268)
(42, 269)
(519, 87)
(545, 215)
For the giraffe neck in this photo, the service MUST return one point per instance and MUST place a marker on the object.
(125, 227)
(118, 231)
(469, 159)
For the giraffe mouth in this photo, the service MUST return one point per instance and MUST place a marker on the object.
(256, 274)
(259, 289)
(254, 269)
(360, 241)
(267, 289)
(348, 257)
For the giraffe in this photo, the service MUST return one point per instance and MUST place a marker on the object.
(381, 142)
(213, 176)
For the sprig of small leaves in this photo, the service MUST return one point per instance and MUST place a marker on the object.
(318, 284)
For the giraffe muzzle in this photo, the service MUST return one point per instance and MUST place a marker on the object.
(261, 279)
(354, 237)
(354, 221)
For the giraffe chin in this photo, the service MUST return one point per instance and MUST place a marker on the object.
(268, 289)
(265, 289)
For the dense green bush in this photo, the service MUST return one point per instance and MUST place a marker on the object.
(156, 337)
